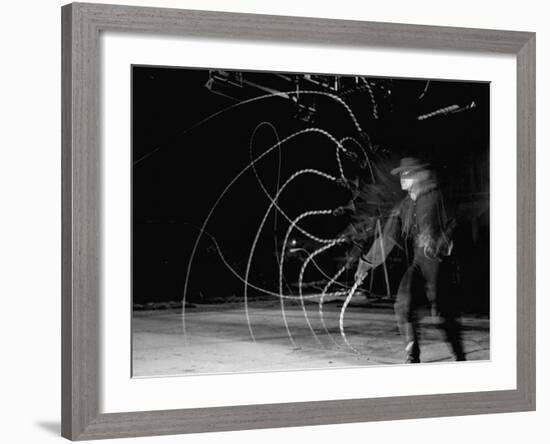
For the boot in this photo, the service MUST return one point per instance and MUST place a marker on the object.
(413, 353)
(454, 338)
(458, 351)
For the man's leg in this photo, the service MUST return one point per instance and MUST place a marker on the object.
(406, 316)
(452, 330)
(449, 312)
(440, 294)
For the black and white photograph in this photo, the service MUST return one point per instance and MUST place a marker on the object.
(291, 221)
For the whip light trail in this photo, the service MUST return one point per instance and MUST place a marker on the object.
(361, 156)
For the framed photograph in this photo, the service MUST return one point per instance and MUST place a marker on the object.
(278, 221)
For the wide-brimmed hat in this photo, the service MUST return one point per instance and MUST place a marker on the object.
(409, 164)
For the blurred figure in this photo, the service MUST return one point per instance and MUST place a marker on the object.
(421, 219)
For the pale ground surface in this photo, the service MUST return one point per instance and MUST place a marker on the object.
(218, 339)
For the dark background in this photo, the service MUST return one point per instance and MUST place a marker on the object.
(180, 167)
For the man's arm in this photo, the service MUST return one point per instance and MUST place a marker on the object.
(381, 247)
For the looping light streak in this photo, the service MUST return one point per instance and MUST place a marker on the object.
(224, 192)
(301, 278)
(294, 223)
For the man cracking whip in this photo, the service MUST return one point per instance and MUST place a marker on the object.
(419, 218)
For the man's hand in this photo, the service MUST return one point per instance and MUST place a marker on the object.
(362, 270)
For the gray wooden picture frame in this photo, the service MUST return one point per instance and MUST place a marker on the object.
(81, 171)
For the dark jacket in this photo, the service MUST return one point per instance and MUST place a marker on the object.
(419, 218)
